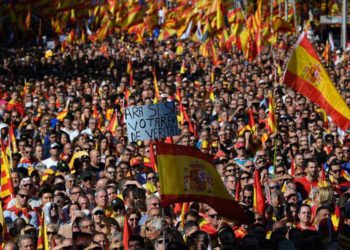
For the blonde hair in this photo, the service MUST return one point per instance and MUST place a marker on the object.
(326, 195)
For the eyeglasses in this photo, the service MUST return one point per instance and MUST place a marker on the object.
(151, 178)
(337, 171)
(274, 187)
(133, 219)
(244, 178)
(50, 233)
(27, 185)
(214, 216)
(160, 241)
(249, 166)
(23, 196)
(88, 226)
(155, 204)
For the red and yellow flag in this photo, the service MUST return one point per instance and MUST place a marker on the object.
(306, 75)
(61, 115)
(271, 119)
(12, 139)
(130, 71)
(156, 89)
(186, 175)
(259, 200)
(6, 184)
(43, 241)
(113, 124)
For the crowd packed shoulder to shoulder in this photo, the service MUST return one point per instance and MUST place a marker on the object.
(89, 187)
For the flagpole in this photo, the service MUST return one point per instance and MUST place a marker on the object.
(295, 16)
(344, 24)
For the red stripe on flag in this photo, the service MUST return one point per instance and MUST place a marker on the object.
(223, 206)
(179, 150)
(300, 85)
(308, 47)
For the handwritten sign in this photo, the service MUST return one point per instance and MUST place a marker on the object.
(151, 121)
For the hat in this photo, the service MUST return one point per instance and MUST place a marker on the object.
(55, 145)
(240, 144)
(29, 105)
(62, 165)
(85, 174)
(97, 209)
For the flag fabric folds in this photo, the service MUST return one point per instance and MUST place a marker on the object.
(6, 184)
(306, 75)
(187, 174)
(259, 200)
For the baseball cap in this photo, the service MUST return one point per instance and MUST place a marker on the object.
(55, 145)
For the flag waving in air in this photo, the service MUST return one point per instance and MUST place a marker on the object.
(306, 75)
(187, 174)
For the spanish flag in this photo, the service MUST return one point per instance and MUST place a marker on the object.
(61, 115)
(113, 124)
(187, 174)
(259, 200)
(130, 71)
(271, 119)
(306, 75)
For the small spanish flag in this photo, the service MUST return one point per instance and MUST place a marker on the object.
(61, 115)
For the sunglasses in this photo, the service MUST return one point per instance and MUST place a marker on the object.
(274, 187)
(244, 178)
(50, 233)
(214, 216)
(23, 196)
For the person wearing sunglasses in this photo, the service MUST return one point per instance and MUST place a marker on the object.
(337, 179)
(21, 209)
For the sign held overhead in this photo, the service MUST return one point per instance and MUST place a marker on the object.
(152, 121)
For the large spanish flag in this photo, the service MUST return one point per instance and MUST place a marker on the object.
(306, 75)
(187, 174)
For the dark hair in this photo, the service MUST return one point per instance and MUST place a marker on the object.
(137, 238)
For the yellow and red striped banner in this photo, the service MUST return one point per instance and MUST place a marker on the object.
(186, 175)
(306, 75)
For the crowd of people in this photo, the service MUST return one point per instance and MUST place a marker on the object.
(87, 186)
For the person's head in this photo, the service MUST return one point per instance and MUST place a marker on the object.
(335, 169)
(152, 202)
(84, 202)
(101, 198)
(248, 192)
(97, 215)
(135, 242)
(153, 228)
(26, 242)
(73, 208)
(322, 212)
(101, 239)
(111, 173)
(51, 231)
(86, 225)
(304, 214)
(133, 218)
(74, 193)
(213, 217)
(46, 195)
(312, 169)
(22, 197)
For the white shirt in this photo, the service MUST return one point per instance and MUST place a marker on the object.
(72, 133)
(49, 162)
